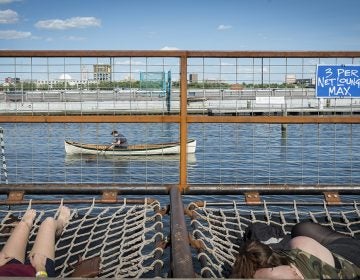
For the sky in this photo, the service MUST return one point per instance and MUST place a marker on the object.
(328, 25)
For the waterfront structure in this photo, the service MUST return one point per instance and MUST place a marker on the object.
(64, 79)
(290, 79)
(10, 80)
(193, 78)
(102, 72)
(243, 170)
(236, 86)
(84, 73)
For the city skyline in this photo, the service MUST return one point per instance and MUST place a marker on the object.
(180, 25)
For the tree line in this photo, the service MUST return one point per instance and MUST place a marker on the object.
(112, 85)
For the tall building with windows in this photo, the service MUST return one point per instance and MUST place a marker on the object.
(102, 72)
(193, 78)
(84, 73)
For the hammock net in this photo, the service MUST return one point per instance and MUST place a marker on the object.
(127, 238)
(130, 237)
(218, 229)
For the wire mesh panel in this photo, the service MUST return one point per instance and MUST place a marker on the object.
(217, 86)
(326, 154)
(35, 153)
(83, 85)
(242, 149)
(262, 86)
(269, 153)
(219, 228)
(153, 81)
(273, 154)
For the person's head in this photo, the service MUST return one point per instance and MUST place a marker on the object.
(114, 132)
(254, 255)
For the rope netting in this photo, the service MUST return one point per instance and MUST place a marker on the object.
(125, 237)
(217, 230)
(3, 169)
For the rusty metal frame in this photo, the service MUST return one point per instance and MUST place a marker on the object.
(183, 119)
(183, 123)
(332, 197)
(252, 198)
(15, 196)
(109, 196)
(109, 192)
(352, 119)
(181, 258)
(177, 53)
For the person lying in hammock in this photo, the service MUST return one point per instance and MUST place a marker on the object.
(316, 252)
(40, 262)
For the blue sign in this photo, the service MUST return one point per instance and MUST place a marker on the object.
(338, 81)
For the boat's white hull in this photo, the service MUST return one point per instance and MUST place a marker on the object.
(132, 150)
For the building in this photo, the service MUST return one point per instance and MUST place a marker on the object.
(308, 83)
(102, 72)
(84, 73)
(236, 86)
(10, 80)
(66, 80)
(193, 78)
(290, 79)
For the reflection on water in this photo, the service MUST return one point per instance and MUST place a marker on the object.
(124, 169)
(75, 158)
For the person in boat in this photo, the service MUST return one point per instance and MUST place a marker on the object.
(119, 140)
(315, 252)
(40, 262)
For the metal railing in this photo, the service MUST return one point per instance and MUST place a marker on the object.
(188, 62)
(246, 71)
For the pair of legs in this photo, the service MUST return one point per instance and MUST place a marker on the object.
(44, 245)
(335, 242)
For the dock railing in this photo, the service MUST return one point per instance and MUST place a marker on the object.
(208, 88)
(209, 67)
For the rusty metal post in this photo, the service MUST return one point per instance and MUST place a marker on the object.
(181, 259)
(183, 122)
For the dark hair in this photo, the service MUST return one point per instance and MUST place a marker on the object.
(114, 132)
(254, 255)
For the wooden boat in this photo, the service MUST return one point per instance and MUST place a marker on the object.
(171, 148)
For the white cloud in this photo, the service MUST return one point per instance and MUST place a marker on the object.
(166, 48)
(8, 16)
(74, 38)
(8, 1)
(224, 27)
(222, 63)
(74, 22)
(13, 34)
(130, 62)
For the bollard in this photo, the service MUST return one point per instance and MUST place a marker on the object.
(283, 125)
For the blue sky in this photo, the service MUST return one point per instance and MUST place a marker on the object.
(180, 24)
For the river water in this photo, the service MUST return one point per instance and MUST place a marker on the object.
(226, 153)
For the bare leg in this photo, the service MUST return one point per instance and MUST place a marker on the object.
(15, 246)
(321, 234)
(44, 244)
(341, 244)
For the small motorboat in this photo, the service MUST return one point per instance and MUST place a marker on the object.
(171, 148)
